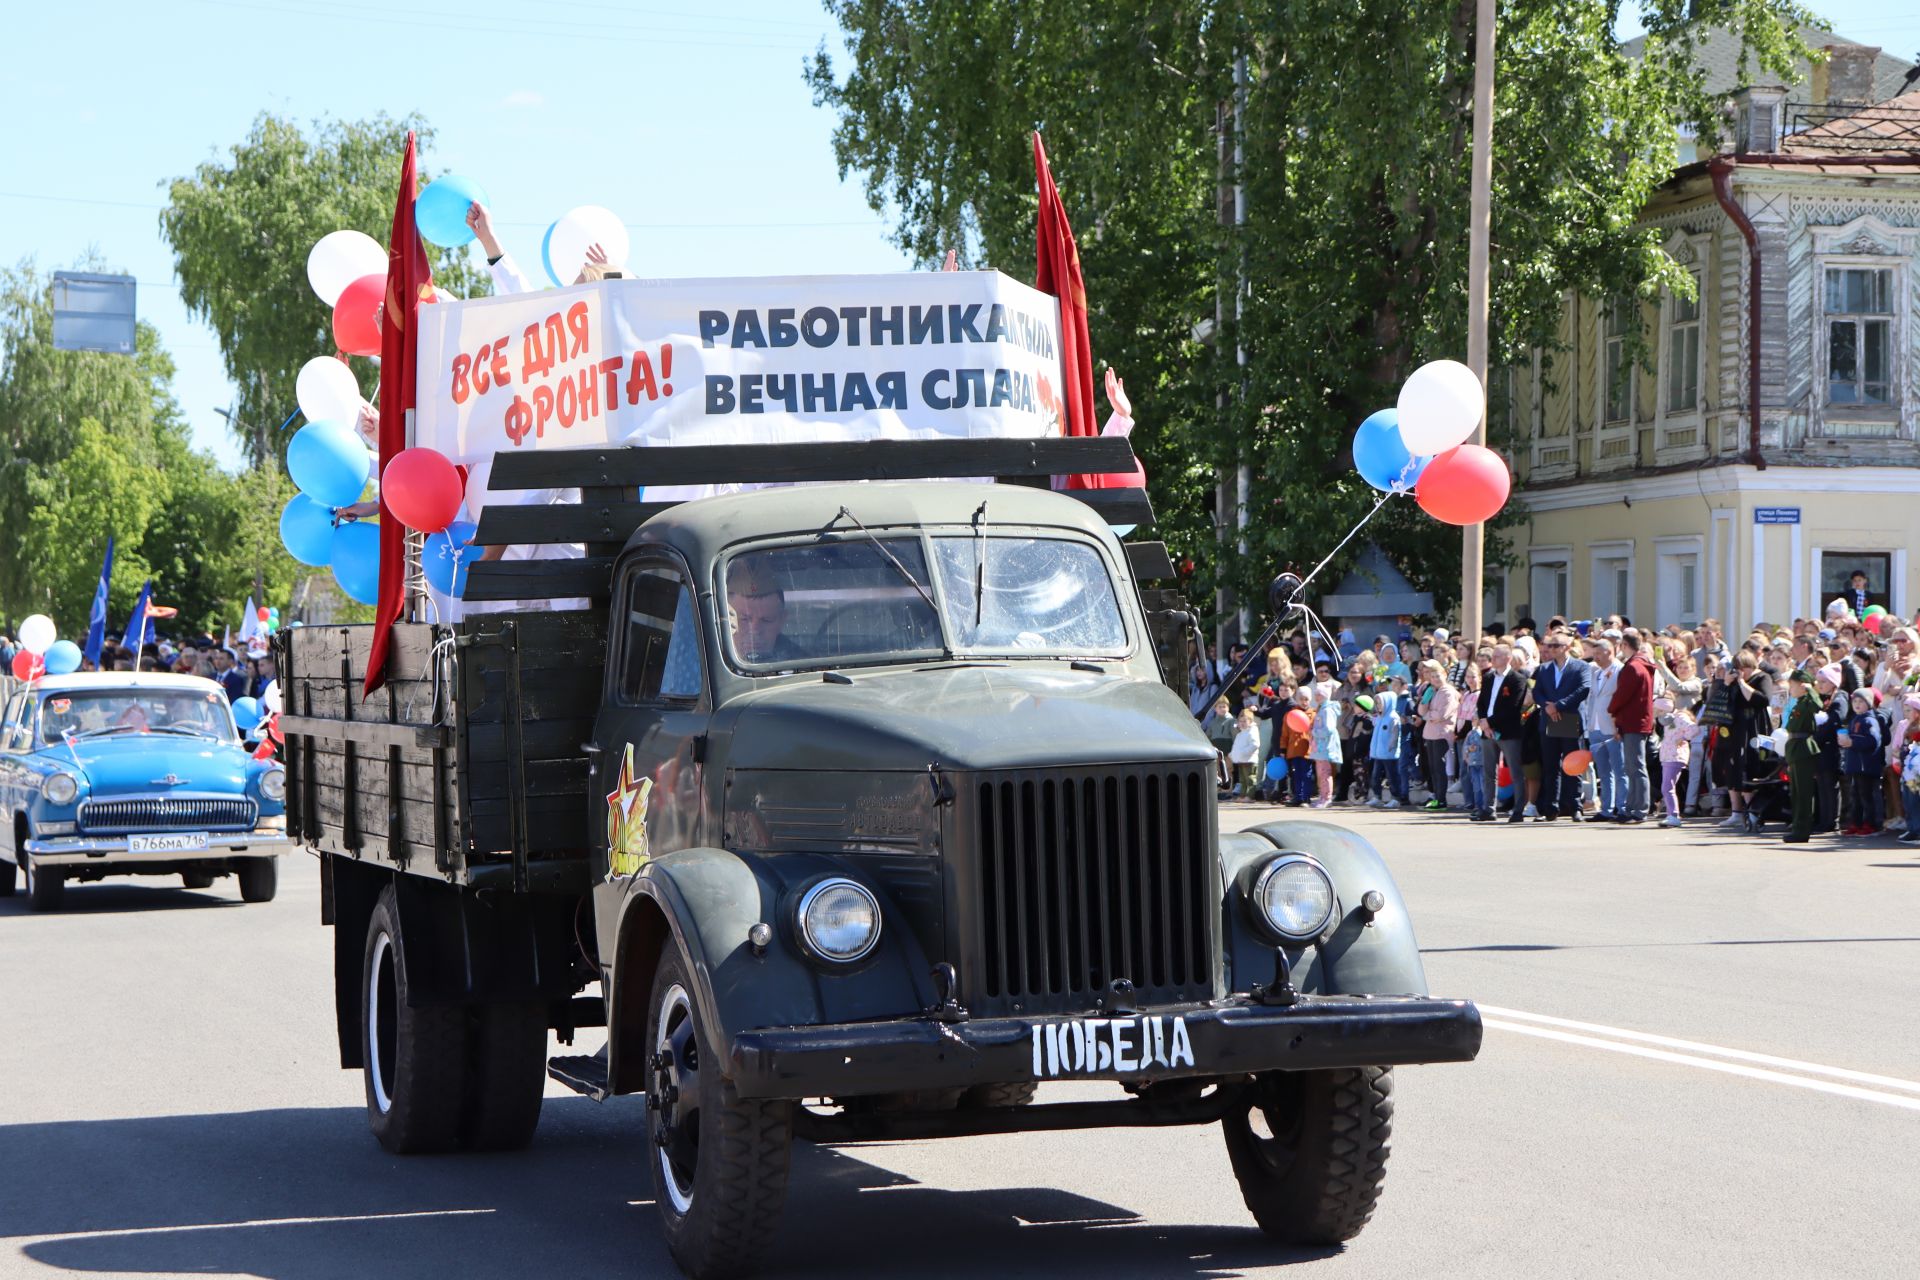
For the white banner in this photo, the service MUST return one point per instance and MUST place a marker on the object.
(733, 361)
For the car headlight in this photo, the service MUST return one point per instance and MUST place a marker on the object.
(60, 788)
(1294, 897)
(838, 920)
(273, 784)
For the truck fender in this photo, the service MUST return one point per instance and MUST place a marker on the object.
(1362, 957)
(706, 900)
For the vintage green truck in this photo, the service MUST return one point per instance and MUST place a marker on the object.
(849, 810)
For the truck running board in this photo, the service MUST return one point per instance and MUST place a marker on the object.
(583, 1074)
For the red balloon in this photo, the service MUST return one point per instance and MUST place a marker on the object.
(1874, 622)
(356, 317)
(1298, 720)
(1137, 479)
(422, 489)
(1464, 485)
(263, 612)
(28, 666)
(1575, 763)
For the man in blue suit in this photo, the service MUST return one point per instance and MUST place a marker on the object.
(1560, 685)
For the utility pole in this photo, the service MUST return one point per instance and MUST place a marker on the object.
(259, 461)
(1480, 219)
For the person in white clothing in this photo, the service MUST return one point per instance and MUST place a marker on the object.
(506, 273)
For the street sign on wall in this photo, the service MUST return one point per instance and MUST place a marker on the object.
(92, 312)
(1776, 515)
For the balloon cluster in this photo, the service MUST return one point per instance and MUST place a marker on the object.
(41, 652)
(1419, 447)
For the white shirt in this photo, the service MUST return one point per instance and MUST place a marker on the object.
(1598, 718)
(1246, 747)
(507, 276)
(479, 497)
(1493, 690)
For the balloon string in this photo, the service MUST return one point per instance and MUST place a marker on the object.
(1336, 550)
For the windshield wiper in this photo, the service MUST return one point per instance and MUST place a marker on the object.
(905, 572)
(106, 729)
(979, 566)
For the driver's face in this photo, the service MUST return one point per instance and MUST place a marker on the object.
(757, 623)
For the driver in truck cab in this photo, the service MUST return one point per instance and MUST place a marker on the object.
(758, 609)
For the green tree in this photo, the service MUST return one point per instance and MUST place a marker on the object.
(1264, 342)
(241, 227)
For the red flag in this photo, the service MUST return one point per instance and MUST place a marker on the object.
(409, 279)
(1059, 274)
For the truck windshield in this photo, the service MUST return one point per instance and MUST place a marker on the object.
(867, 600)
(123, 711)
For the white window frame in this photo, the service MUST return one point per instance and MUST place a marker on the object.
(1667, 606)
(1615, 440)
(1860, 319)
(1866, 243)
(1560, 557)
(1615, 549)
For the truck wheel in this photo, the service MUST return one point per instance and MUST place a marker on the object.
(720, 1163)
(45, 886)
(415, 1057)
(259, 879)
(1310, 1151)
(197, 879)
(9, 873)
(981, 1096)
(506, 1075)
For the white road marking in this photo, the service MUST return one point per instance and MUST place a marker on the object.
(1711, 1050)
(1730, 1068)
(257, 1222)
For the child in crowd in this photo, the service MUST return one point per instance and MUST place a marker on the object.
(1246, 750)
(1472, 781)
(1324, 749)
(1297, 742)
(1389, 717)
(1908, 770)
(1676, 752)
(1862, 762)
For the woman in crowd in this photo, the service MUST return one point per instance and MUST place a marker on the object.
(1750, 704)
(1439, 719)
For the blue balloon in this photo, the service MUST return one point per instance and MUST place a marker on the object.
(63, 658)
(546, 253)
(446, 555)
(1382, 458)
(328, 463)
(306, 528)
(441, 210)
(1276, 768)
(356, 560)
(246, 713)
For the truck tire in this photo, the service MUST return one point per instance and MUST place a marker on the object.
(982, 1096)
(197, 879)
(719, 1166)
(45, 886)
(259, 879)
(416, 1058)
(1310, 1151)
(506, 1075)
(9, 874)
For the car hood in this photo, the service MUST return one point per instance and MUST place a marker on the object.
(963, 717)
(141, 763)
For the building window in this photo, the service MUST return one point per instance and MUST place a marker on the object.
(1836, 575)
(1859, 305)
(1677, 591)
(1549, 581)
(1683, 351)
(1613, 583)
(1619, 389)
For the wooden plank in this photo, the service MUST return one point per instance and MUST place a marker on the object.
(1115, 506)
(814, 461)
(589, 521)
(1149, 561)
(370, 733)
(540, 579)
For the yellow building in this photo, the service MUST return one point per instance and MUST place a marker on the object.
(1771, 444)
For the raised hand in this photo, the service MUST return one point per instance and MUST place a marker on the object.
(1117, 394)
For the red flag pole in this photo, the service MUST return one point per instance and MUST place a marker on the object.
(409, 278)
(1058, 273)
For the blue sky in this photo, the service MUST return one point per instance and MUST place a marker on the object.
(689, 119)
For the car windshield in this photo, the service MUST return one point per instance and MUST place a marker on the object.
(126, 711)
(871, 598)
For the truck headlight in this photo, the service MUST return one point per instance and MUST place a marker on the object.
(838, 920)
(273, 784)
(1294, 897)
(60, 788)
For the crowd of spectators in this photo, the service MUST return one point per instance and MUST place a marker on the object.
(241, 674)
(1595, 721)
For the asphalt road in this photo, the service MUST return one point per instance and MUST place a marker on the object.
(172, 1103)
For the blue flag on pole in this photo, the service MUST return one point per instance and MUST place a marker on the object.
(140, 626)
(97, 620)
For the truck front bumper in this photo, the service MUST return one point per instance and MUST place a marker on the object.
(69, 851)
(1225, 1038)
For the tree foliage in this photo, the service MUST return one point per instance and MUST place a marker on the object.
(1349, 268)
(241, 227)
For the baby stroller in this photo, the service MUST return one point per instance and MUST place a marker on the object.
(1770, 799)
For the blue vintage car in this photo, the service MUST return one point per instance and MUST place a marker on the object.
(109, 774)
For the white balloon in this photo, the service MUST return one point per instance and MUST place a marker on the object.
(270, 698)
(326, 390)
(37, 634)
(1440, 406)
(340, 258)
(578, 228)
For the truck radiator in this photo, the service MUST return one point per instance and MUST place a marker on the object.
(1089, 877)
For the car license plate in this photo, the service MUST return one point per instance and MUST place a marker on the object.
(172, 842)
(1110, 1047)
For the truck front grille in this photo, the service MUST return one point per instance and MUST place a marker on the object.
(119, 817)
(1088, 877)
